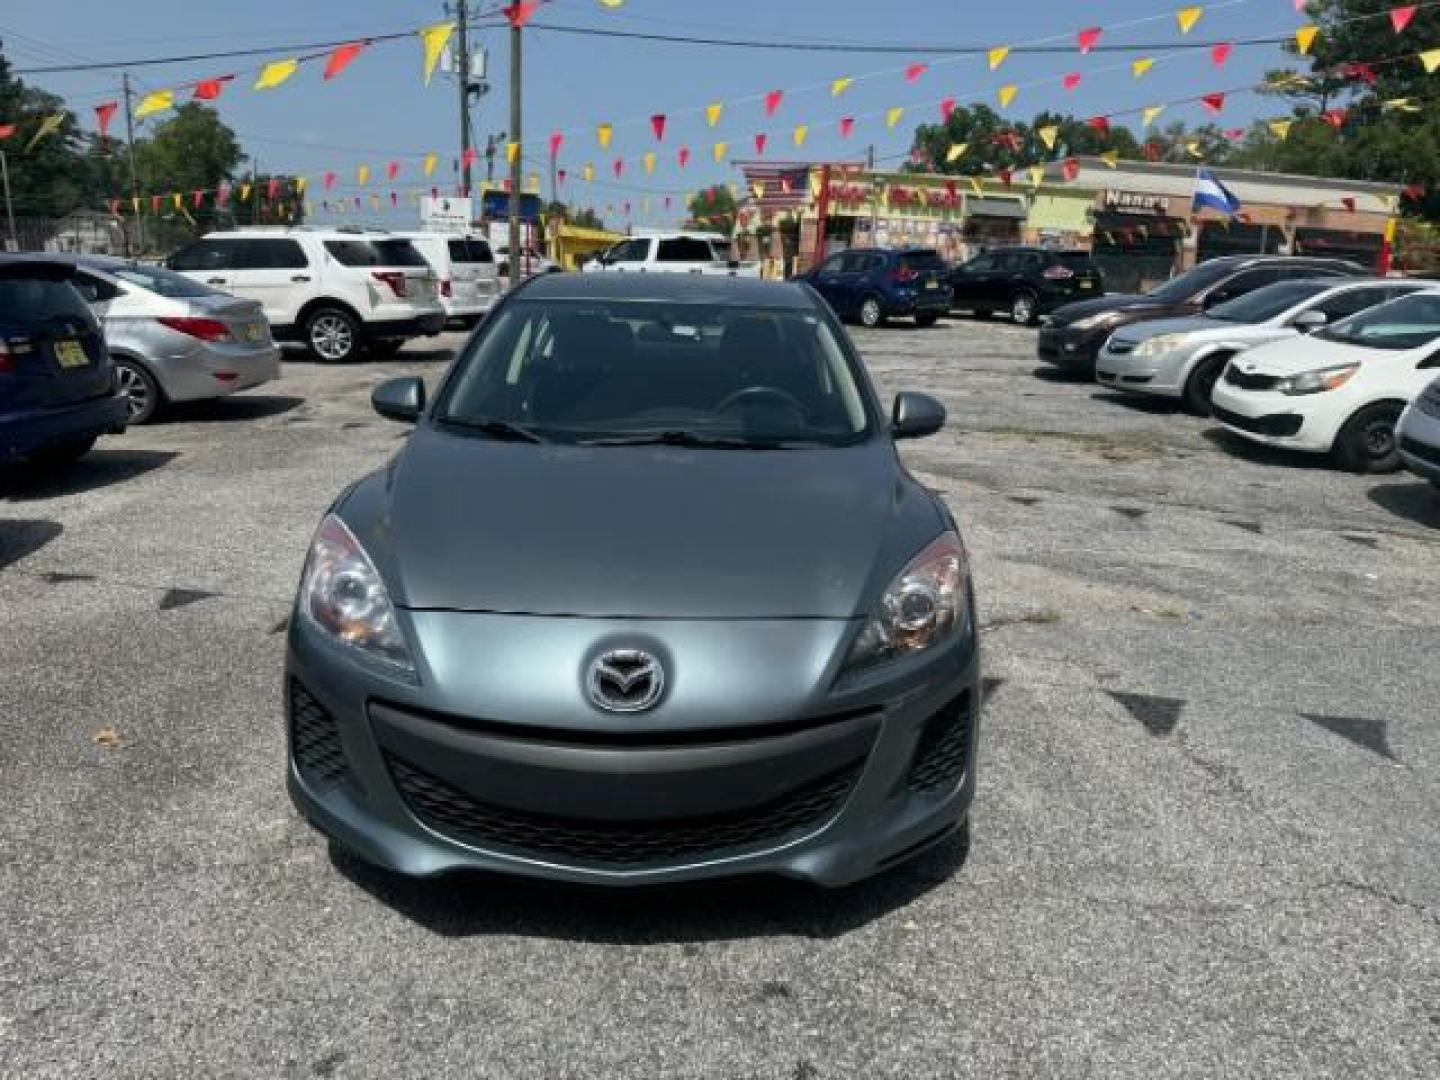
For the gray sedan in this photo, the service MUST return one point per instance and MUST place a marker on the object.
(172, 339)
(1183, 358)
(646, 596)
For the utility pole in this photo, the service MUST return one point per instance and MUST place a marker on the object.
(9, 205)
(462, 76)
(134, 175)
(255, 191)
(518, 138)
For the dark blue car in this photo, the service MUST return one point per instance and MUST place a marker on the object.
(870, 285)
(57, 388)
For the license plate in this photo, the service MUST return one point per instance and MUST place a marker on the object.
(1087, 284)
(932, 284)
(254, 333)
(71, 353)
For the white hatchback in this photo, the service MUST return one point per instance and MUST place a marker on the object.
(1340, 390)
(1420, 435)
(466, 269)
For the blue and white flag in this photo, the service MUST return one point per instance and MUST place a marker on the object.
(1209, 191)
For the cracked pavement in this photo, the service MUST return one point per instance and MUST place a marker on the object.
(1205, 840)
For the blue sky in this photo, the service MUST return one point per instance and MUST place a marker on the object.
(378, 110)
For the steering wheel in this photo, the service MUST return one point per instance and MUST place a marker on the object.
(758, 393)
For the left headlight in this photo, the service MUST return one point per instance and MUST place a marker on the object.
(342, 594)
(925, 603)
(1090, 322)
(1161, 344)
(1318, 381)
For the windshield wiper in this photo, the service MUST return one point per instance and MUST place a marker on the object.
(496, 429)
(683, 438)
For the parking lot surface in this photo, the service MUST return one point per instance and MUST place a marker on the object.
(1206, 839)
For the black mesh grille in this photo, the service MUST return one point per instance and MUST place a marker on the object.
(944, 746)
(1235, 377)
(315, 739)
(451, 812)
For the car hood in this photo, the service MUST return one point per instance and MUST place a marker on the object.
(1292, 356)
(472, 524)
(1202, 329)
(1132, 306)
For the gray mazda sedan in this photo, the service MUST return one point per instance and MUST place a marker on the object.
(646, 596)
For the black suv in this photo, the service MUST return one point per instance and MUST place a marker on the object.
(1073, 335)
(1024, 282)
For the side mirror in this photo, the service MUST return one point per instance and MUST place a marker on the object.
(399, 399)
(915, 416)
(1309, 321)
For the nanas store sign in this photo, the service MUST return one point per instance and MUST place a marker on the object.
(1135, 202)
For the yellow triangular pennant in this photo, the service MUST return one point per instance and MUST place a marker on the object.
(363, 174)
(588, 172)
(431, 160)
(1147, 117)
(893, 117)
(1431, 59)
(997, 56)
(1305, 37)
(434, 38)
(712, 113)
(720, 150)
(272, 75)
(802, 132)
(603, 134)
(1141, 66)
(512, 152)
(1280, 128)
(1187, 17)
(155, 102)
(839, 86)
(1006, 94)
(1111, 158)
(975, 186)
(650, 162)
(1048, 134)
(956, 152)
(1037, 175)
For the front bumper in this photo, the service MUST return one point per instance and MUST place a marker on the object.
(1162, 375)
(918, 301)
(27, 432)
(829, 794)
(1420, 443)
(1275, 419)
(1066, 347)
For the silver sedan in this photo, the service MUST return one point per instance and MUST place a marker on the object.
(173, 339)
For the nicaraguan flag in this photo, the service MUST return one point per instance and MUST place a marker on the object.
(1209, 191)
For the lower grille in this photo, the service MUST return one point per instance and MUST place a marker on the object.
(1424, 452)
(1280, 424)
(942, 753)
(451, 812)
(315, 740)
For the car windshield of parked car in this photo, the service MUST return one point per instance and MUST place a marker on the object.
(1408, 323)
(1191, 282)
(633, 372)
(40, 301)
(1265, 303)
(160, 282)
(921, 261)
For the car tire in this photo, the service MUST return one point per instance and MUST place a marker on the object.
(143, 397)
(872, 314)
(1368, 443)
(1200, 386)
(926, 319)
(1022, 308)
(59, 455)
(332, 335)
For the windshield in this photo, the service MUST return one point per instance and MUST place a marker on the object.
(921, 261)
(1191, 282)
(627, 371)
(1267, 302)
(161, 282)
(1408, 323)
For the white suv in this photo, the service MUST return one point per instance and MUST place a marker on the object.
(335, 290)
(465, 265)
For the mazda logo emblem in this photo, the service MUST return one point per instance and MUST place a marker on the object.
(626, 681)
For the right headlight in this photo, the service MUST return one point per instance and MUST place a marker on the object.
(926, 602)
(342, 594)
(1317, 381)
(1161, 344)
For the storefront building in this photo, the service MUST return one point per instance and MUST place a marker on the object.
(1136, 217)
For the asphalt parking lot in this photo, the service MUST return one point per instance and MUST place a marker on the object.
(1206, 839)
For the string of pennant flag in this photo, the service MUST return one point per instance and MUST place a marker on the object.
(1066, 167)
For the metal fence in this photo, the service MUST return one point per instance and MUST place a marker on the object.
(85, 233)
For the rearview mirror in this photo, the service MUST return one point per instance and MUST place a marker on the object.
(399, 399)
(1308, 321)
(915, 416)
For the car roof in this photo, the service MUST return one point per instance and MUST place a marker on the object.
(677, 288)
(35, 265)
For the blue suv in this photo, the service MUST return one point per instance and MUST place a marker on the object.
(57, 388)
(871, 285)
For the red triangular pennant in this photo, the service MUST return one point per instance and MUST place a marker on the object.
(209, 89)
(342, 58)
(760, 141)
(557, 140)
(1071, 81)
(657, 125)
(1400, 17)
(1220, 53)
(947, 108)
(683, 156)
(519, 13)
(847, 125)
(1088, 38)
(772, 101)
(103, 115)
(914, 71)
(1213, 102)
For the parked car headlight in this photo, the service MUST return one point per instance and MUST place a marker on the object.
(342, 594)
(925, 603)
(1161, 344)
(1317, 381)
(1090, 322)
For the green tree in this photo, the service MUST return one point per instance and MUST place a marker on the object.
(192, 150)
(54, 176)
(714, 209)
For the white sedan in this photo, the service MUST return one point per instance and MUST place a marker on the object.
(1420, 435)
(1340, 390)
